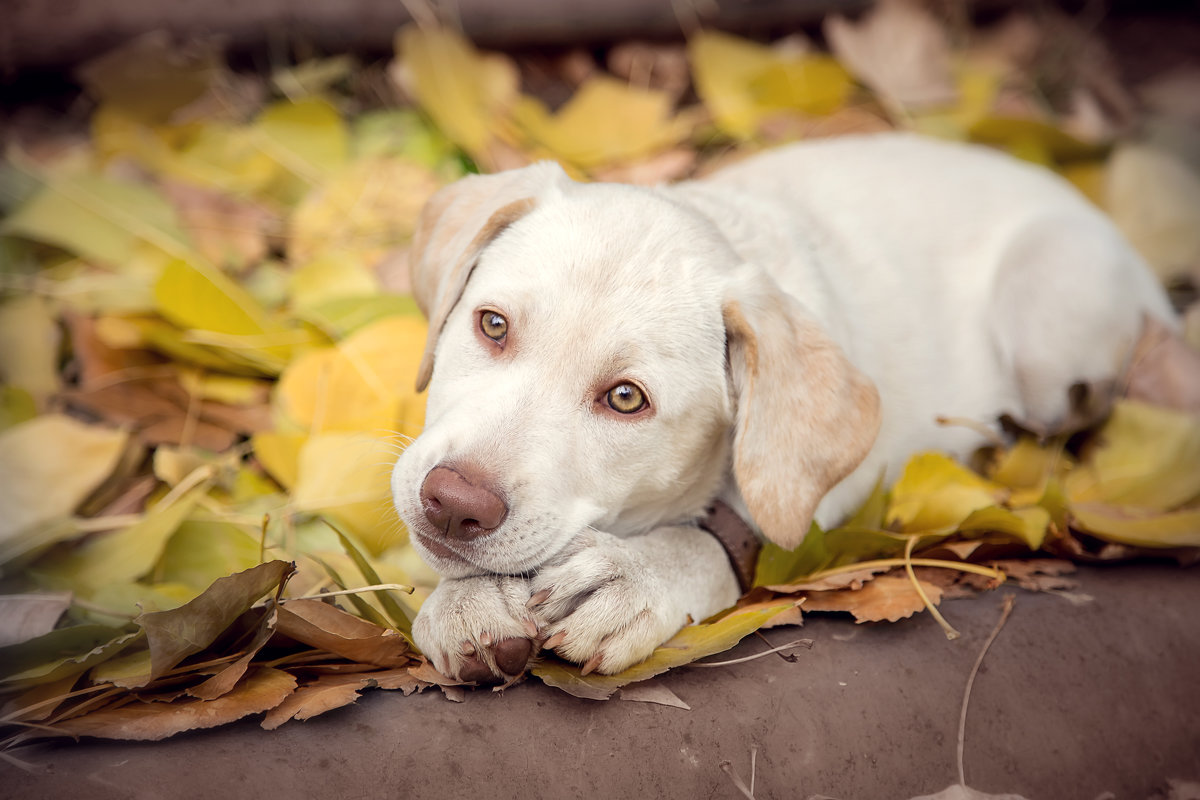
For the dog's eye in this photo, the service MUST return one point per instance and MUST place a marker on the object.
(493, 325)
(625, 398)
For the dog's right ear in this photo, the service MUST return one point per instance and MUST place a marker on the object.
(454, 228)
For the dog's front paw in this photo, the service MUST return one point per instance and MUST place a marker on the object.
(603, 605)
(478, 629)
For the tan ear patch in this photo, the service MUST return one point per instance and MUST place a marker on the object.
(806, 417)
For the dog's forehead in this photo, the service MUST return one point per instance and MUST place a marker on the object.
(619, 277)
(607, 242)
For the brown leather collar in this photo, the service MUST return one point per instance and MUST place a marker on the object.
(741, 544)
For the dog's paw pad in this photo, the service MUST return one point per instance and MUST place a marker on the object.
(512, 655)
(475, 670)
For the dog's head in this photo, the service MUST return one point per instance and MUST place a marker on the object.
(596, 354)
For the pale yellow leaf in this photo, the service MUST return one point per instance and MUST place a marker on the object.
(29, 346)
(467, 93)
(346, 476)
(605, 121)
(366, 383)
(48, 466)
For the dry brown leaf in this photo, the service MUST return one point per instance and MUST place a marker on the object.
(224, 681)
(176, 634)
(899, 50)
(261, 690)
(652, 691)
(324, 694)
(652, 65)
(842, 580)
(888, 597)
(321, 625)
(1039, 574)
(227, 230)
(161, 411)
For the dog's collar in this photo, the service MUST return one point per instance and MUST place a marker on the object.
(741, 544)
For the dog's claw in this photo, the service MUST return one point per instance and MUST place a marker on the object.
(485, 639)
(531, 628)
(539, 598)
(467, 649)
(555, 640)
(592, 664)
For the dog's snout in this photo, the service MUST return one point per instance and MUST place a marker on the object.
(462, 504)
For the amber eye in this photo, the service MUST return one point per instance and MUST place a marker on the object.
(625, 398)
(493, 325)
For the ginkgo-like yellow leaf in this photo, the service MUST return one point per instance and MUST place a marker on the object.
(742, 83)
(365, 383)
(935, 493)
(605, 122)
(467, 93)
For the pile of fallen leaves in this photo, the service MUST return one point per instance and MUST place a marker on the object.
(208, 349)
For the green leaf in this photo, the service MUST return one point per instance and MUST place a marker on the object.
(122, 556)
(59, 653)
(99, 219)
(393, 608)
(200, 552)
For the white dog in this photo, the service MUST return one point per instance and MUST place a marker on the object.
(605, 362)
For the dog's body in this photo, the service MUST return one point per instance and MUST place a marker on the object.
(791, 327)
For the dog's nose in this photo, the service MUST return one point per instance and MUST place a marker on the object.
(461, 503)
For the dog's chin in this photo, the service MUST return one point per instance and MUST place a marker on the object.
(464, 560)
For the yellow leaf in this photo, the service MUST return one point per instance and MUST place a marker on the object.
(1032, 139)
(467, 93)
(692, 643)
(280, 455)
(1144, 457)
(29, 345)
(308, 137)
(48, 466)
(347, 477)
(1139, 527)
(367, 209)
(605, 122)
(935, 494)
(366, 383)
(812, 84)
(225, 157)
(227, 389)
(121, 557)
(743, 82)
(1027, 524)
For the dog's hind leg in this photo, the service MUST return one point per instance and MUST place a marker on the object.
(1069, 305)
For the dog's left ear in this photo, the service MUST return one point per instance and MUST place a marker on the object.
(806, 417)
(454, 228)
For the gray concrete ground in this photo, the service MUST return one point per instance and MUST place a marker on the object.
(1072, 701)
